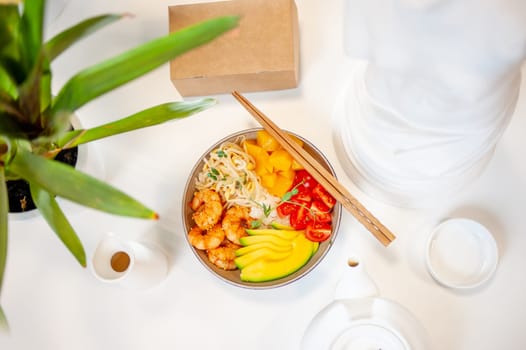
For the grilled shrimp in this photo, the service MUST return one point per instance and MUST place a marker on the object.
(235, 222)
(208, 208)
(224, 255)
(206, 239)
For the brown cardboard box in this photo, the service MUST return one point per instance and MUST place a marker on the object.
(261, 54)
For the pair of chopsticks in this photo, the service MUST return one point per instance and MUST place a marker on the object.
(320, 174)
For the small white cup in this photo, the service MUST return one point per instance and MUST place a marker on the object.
(129, 263)
(461, 254)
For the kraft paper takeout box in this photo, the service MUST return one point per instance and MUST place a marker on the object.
(262, 53)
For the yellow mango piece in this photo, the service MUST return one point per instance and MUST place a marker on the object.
(260, 169)
(261, 157)
(280, 160)
(253, 149)
(269, 179)
(267, 142)
(289, 174)
(281, 186)
(262, 160)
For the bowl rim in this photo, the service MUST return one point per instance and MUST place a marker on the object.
(305, 269)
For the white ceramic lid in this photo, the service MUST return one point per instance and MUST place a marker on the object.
(461, 253)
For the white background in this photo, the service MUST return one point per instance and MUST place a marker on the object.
(52, 303)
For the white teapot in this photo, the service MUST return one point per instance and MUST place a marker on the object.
(358, 319)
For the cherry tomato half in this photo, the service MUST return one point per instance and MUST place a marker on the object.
(286, 208)
(306, 181)
(320, 212)
(300, 218)
(318, 192)
(318, 232)
(301, 198)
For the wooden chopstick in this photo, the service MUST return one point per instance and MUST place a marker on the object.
(321, 175)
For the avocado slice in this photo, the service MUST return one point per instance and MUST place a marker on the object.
(262, 270)
(262, 253)
(256, 246)
(280, 226)
(249, 240)
(315, 247)
(286, 234)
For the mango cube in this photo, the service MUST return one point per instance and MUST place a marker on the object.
(281, 186)
(289, 174)
(269, 179)
(267, 142)
(281, 160)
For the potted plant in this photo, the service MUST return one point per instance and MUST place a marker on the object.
(35, 124)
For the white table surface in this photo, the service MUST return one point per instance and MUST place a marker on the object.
(52, 303)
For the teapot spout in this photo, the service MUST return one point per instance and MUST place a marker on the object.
(355, 282)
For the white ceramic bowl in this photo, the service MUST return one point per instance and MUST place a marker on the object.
(233, 277)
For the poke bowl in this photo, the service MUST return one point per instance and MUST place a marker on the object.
(253, 216)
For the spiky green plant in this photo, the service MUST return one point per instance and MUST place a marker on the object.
(34, 123)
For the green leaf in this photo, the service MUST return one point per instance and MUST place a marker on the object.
(33, 89)
(148, 117)
(110, 74)
(68, 37)
(8, 126)
(7, 84)
(14, 67)
(50, 210)
(9, 22)
(9, 111)
(45, 93)
(31, 30)
(64, 181)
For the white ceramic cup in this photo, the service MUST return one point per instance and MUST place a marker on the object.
(130, 264)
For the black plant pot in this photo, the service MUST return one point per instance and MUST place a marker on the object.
(19, 195)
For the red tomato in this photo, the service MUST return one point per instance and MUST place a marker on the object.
(306, 181)
(300, 218)
(320, 212)
(318, 232)
(301, 198)
(318, 206)
(318, 192)
(285, 209)
(311, 205)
